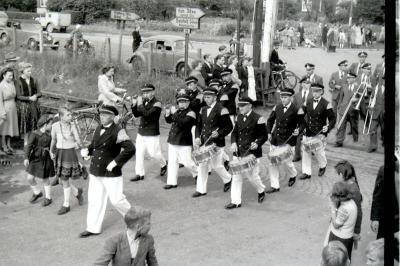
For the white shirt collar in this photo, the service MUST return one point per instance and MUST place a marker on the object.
(287, 106)
(213, 104)
(248, 114)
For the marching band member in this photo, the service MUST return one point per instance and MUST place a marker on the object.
(148, 109)
(180, 139)
(110, 149)
(216, 84)
(286, 116)
(300, 98)
(317, 112)
(345, 96)
(229, 92)
(213, 126)
(377, 109)
(311, 76)
(379, 71)
(248, 136)
(336, 83)
(366, 79)
(356, 67)
(196, 97)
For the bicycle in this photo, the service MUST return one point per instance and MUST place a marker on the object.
(279, 81)
(88, 119)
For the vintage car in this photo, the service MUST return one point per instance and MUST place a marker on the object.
(27, 36)
(168, 54)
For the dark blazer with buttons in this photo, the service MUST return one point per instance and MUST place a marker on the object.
(217, 120)
(314, 120)
(149, 117)
(298, 97)
(106, 148)
(117, 251)
(195, 103)
(206, 71)
(217, 69)
(336, 80)
(181, 130)
(285, 124)
(228, 96)
(246, 132)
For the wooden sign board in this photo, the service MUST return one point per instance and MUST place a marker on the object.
(187, 23)
(122, 15)
(186, 12)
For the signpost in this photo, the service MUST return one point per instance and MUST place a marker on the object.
(188, 19)
(122, 16)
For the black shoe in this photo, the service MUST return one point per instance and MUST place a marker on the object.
(232, 206)
(54, 182)
(355, 139)
(209, 173)
(85, 234)
(337, 144)
(261, 197)
(349, 133)
(35, 197)
(195, 178)
(198, 194)
(291, 182)
(181, 165)
(226, 165)
(227, 186)
(163, 170)
(85, 173)
(321, 171)
(370, 150)
(272, 190)
(80, 196)
(170, 186)
(304, 177)
(63, 210)
(47, 202)
(137, 178)
(296, 159)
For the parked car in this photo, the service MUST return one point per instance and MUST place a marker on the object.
(54, 20)
(28, 36)
(168, 54)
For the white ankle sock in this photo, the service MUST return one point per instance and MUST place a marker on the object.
(47, 192)
(35, 189)
(67, 193)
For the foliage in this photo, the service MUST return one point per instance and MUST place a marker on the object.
(22, 5)
(371, 11)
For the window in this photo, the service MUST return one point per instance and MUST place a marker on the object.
(147, 44)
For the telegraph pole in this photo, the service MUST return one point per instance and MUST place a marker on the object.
(351, 13)
(238, 29)
(257, 32)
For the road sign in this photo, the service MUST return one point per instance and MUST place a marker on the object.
(187, 23)
(187, 12)
(122, 15)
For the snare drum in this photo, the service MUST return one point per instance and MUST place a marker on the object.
(312, 144)
(241, 165)
(204, 153)
(280, 154)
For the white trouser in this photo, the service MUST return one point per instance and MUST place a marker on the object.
(151, 144)
(176, 155)
(217, 164)
(101, 188)
(226, 155)
(194, 134)
(306, 157)
(287, 166)
(237, 181)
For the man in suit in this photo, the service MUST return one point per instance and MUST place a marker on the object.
(110, 149)
(148, 108)
(229, 92)
(345, 97)
(379, 71)
(276, 62)
(133, 246)
(367, 81)
(377, 110)
(286, 116)
(213, 125)
(356, 67)
(300, 99)
(248, 136)
(337, 81)
(311, 76)
(180, 139)
(207, 67)
(318, 112)
(218, 66)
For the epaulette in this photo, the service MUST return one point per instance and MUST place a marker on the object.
(224, 97)
(224, 111)
(122, 136)
(261, 120)
(191, 114)
(157, 104)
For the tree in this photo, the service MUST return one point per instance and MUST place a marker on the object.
(21, 5)
(371, 11)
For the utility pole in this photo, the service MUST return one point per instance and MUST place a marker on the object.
(238, 29)
(351, 13)
(257, 32)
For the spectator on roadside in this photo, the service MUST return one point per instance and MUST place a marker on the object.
(352, 37)
(247, 76)
(358, 40)
(8, 110)
(207, 68)
(342, 38)
(375, 253)
(137, 39)
(343, 216)
(324, 35)
(218, 66)
(28, 94)
(108, 91)
(196, 72)
(335, 254)
(232, 65)
(291, 38)
(300, 29)
(222, 49)
(233, 42)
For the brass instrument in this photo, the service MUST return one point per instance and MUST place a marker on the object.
(364, 91)
(356, 93)
(370, 112)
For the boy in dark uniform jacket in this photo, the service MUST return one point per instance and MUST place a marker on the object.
(248, 136)
(148, 109)
(317, 112)
(213, 125)
(196, 98)
(229, 92)
(286, 116)
(180, 139)
(110, 149)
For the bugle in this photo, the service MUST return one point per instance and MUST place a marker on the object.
(370, 112)
(357, 107)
